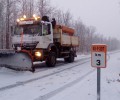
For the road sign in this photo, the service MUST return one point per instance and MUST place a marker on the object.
(98, 60)
(98, 55)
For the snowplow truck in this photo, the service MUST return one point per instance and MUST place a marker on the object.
(38, 39)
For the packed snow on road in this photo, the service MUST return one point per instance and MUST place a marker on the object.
(66, 81)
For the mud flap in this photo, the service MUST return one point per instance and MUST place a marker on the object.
(20, 61)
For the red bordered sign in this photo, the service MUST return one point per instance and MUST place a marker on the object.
(98, 55)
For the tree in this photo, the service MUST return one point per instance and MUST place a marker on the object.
(10, 10)
(80, 29)
(57, 14)
(1, 23)
(26, 7)
(44, 7)
(10, 15)
(8, 5)
(67, 18)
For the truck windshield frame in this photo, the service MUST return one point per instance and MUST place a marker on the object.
(28, 30)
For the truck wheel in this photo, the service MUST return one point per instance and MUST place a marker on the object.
(66, 59)
(71, 57)
(51, 60)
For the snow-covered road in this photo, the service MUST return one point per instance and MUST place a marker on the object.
(86, 89)
(65, 82)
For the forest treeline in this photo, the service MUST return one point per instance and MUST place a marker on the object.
(10, 10)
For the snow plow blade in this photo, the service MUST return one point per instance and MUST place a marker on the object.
(19, 61)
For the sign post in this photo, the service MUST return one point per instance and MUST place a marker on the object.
(98, 83)
(98, 60)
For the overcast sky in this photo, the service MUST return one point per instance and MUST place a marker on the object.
(103, 14)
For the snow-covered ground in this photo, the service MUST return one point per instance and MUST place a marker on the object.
(87, 88)
(76, 81)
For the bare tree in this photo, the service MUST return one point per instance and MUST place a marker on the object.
(58, 15)
(80, 29)
(63, 18)
(1, 23)
(7, 24)
(31, 7)
(10, 15)
(89, 37)
(67, 18)
(10, 10)
(44, 7)
(26, 7)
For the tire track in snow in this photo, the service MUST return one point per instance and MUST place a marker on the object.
(72, 65)
(51, 94)
(84, 60)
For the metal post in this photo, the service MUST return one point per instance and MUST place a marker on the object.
(98, 83)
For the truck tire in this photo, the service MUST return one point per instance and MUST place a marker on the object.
(66, 59)
(51, 60)
(70, 58)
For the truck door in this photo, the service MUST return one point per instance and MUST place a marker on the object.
(47, 34)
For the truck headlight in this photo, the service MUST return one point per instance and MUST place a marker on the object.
(38, 54)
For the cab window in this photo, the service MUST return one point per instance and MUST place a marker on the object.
(46, 29)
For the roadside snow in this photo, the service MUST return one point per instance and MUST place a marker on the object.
(11, 77)
(77, 83)
(87, 90)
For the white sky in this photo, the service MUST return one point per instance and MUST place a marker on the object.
(103, 14)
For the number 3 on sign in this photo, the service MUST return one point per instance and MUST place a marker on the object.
(98, 62)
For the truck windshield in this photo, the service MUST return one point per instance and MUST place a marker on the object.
(28, 29)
